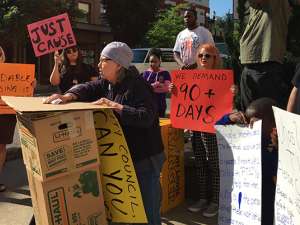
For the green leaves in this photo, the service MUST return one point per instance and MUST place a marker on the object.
(15, 15)
(130, 20)
(165, 30)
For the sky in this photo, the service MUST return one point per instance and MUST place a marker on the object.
(221, 7)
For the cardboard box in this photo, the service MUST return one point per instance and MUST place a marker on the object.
(172, 176)
(73, 199)
(55, 141)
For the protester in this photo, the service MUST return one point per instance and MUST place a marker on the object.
(7, 127)
(159, 80)
(190, 40)
(205, 144)
(261, 109)
(262, 48)
(134, 105)
(69, 70)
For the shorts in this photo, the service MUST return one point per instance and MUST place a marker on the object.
(7, 128)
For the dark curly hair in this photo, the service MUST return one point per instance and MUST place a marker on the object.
(155, 52)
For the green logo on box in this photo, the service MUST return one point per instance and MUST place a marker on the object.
(58, 206)
(66, 134)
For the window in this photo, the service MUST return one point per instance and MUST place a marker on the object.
(167, 56)
(86, 8)
(87, 53)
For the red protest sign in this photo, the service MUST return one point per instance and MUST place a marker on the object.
(51, 34)
(200, 98)
(15, 80)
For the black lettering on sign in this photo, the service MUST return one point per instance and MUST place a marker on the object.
(49, 29)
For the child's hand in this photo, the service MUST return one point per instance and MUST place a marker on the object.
(274, 137)
(234, 90)
(239, 117)
(171, 87)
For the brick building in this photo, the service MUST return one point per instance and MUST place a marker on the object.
(91, 33)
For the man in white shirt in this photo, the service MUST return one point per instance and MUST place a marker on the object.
(190, 40)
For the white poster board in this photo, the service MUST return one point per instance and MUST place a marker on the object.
(287, 198)
(240, 174)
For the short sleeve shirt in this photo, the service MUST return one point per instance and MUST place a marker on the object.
(188, 43)
(73, 77)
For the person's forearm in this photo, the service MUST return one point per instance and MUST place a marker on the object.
(293, 100)
(178, 59)
(55, 76)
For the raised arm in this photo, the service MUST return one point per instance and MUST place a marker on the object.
(55, 75)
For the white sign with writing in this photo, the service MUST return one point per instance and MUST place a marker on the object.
(240, 174)
(287, 198)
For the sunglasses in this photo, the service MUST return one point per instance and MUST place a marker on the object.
(207, 55)
(69, 51)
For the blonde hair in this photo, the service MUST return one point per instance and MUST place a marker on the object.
(215, 52)
(3, 55)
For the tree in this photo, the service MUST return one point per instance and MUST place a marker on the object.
(219, 24)
(130, 19)
(17, 14)
(165, 30)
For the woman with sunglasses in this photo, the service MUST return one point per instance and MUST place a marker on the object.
(134, 103)
(205, 145)
(69, 70)
(7, 127)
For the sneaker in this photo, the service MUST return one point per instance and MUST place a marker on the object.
(198, 206)
(212, 210)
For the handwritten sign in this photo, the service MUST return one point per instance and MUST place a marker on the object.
(15, 80)
(200, 98)
(240, 174)
(172, 176)
(287, 198)
(122, 196)
(51, 34)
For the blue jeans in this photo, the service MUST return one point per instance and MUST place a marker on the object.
(261, 80)
(149, 185)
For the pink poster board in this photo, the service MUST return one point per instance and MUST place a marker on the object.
(51, 34)
(200, 98)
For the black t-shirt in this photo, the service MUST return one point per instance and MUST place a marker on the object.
(73, 76)
(296, 83)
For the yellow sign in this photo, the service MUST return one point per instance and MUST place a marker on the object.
(122, 196)
(172, 176)
(15, 80)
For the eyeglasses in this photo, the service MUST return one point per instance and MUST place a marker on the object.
(69, 51)
(207, 55)
(103, 61)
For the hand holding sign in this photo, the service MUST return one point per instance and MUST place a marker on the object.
(51, 34)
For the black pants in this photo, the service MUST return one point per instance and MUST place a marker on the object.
(261, 80)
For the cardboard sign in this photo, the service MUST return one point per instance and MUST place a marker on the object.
(287, 198)
(200, 98)
(172, 176)
(15, 80)
(51, 34)
(121, 190)
(240, 174)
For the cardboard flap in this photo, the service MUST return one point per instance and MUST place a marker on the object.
(35, 105)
